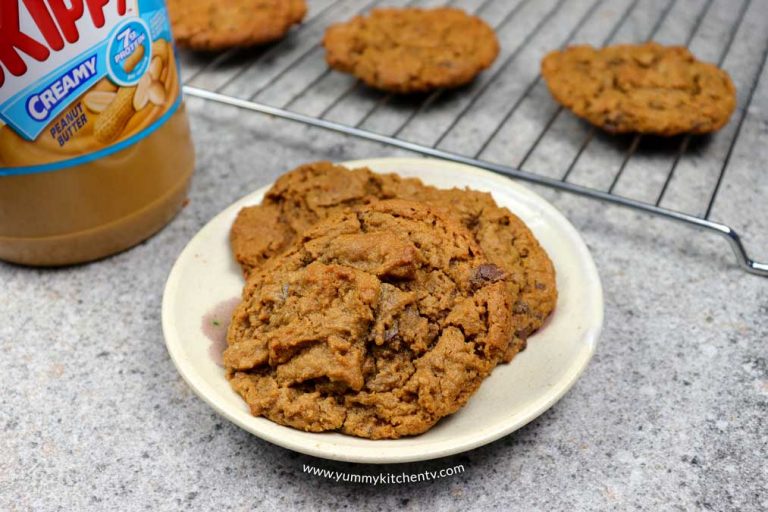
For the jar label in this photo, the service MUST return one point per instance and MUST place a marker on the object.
(81, 79)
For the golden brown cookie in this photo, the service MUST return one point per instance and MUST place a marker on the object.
(644, 88)
(377, 322)
(509, 244)
(219, 24)
(298, 200)
(311, 193)
(412, 50)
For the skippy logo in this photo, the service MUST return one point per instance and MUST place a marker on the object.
(52, 51)
(54, 25)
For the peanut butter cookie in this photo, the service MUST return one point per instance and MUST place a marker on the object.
(412, 50)
(220, 24)
(644, 88)
(377, 322)
(311, 193)
(509, 244)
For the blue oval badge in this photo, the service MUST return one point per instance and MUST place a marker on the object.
(125, 67)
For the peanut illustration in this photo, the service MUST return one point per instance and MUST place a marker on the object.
(156, 93)
(104, 85)
(133, 59)
(141, 97)
(97, 101)
(160, 49)
(111, 123)
(116, 109)
(156, 67)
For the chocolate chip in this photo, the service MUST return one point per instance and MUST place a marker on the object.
(486, 273)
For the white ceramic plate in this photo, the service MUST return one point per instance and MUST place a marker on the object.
(205, 279)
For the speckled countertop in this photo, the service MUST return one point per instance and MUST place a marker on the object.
(672, 412)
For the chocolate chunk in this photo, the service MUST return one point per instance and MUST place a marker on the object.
(486, 273)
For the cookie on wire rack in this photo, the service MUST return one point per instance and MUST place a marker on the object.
(410, 50)
(221, 24)
(642, 88)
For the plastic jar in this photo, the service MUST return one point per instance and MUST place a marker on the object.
(95, 150)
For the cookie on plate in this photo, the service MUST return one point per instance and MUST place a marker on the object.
(311, 193)
(509, 244)
(220, 24)
(377, 322)
(643, 88)
(407, 50)
(298, 200)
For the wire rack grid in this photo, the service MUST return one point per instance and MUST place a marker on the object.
(505, 121)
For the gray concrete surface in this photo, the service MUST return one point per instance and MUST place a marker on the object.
(671, 414)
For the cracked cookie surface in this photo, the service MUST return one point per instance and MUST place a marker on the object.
(644, 88)
(311, 193)
(220, 24)
(377, 322)
(508, 243)
(411, 50)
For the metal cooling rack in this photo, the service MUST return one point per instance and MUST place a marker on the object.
(506, 115)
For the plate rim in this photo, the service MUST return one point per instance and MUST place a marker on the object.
(565, 383)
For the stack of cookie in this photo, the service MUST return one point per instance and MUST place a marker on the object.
(376, 305)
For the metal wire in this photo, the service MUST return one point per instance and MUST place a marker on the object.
(587, 15)
(736, 136)
(687, 138)
(382, 101)
(638, 138)
(228, 54)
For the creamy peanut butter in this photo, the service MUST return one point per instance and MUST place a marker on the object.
(95, 151)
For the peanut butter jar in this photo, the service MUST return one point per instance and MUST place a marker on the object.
(95, 149)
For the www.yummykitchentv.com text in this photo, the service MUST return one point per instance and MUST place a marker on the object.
(383, 478)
